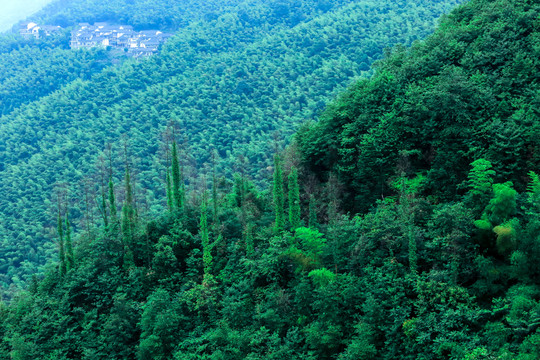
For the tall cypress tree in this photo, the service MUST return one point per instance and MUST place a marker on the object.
(112, 201)
(294, 200)
(104, 207)
(207, 255)
(406, 208)
(177, 180)
(170, 201)
(129, 190)
(128, 260)
(214, 192)
(70, 260)
(128, 222)
(278, 196)
(62, 253)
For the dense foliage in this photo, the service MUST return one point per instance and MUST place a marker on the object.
(30, 73)
(437, 268)
(470, 91)
(235, 76)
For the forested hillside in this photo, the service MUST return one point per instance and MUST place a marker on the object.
(238, 78)
(30, 73)
(438, 261)
(468, 92)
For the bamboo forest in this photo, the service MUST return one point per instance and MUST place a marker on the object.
(279, 179)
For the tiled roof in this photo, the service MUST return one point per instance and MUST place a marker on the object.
(142, 42)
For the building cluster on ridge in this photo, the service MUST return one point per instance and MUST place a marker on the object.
(134, 43)
(32, 29)
(123, 37)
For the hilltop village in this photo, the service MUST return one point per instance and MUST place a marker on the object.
(135, 43)
(31, 29)
(123, 37)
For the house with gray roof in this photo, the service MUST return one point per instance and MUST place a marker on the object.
(31, 29)
(123, 37)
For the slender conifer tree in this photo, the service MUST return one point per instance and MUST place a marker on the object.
(127, 237)
(112, 201)
(207, 254)
(170, 201)
(128, 221)
(103, 205)
(62, 253)
(294, 200)
(70, 260)
(278, 196)
(214, 192)
(177, 186)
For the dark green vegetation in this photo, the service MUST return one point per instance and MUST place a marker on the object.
(441, 261)
(235, 75)
(468, 92)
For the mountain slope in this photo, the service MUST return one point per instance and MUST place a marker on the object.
(468, 92)
(30, 73)
(230, 82)
(225, 275)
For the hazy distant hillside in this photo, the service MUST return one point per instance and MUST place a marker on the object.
(13, 11)
(177, 14)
